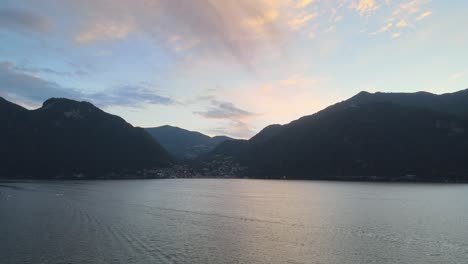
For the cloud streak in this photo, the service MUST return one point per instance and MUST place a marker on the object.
(131, 96)
(458, 75)
(105, 31)
(236, 129)
(402, 23)
(233, 117)
(423, 15)
(224, 110)
(34, 90)
(383, 29)
(299, 21)
(37, 70)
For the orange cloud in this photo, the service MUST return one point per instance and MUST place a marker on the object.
(236, 30)
(232, 32)
(383, 29)
(396, 35)
(364, 7)
(423, 15)
(260, 23)
(408, 9)
(412, 6)
(304, 3)
(402, 23)
(299, 21)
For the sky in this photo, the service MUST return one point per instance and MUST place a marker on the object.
(227, 67)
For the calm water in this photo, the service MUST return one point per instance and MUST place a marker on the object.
(232, 221)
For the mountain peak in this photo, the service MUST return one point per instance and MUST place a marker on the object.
(64, 104)
(388, 135)
(65, 137)
(57, 100)
(171, 128)
(363, 93)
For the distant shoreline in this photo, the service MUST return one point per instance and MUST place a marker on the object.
(12, 180)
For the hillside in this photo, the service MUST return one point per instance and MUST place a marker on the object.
(185, 144)
(370, 136)
(66, 137)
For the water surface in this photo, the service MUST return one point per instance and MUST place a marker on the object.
(232, 221)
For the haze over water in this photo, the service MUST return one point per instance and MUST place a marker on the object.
(232, 221)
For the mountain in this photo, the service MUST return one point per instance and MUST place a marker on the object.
(454, 103)
(379, 136)
(185, 144)
(66, 137)
(267, 133)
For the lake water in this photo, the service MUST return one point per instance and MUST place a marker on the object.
(232, 221)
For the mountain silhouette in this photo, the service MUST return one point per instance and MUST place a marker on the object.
(185, 144)
(381, 136)
(66, 137)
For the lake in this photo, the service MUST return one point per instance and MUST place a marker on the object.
(232, 221)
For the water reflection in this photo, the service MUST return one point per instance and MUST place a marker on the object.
(232, 221)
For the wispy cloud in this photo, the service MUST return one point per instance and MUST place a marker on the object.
(247, 32)
(408, 9)
(338, 19)
(23, 21)
(300, 20)
(304, 3)
(365, 7)
(34, 90)
(236, 129)
(458, 75)
(383, 29)
(238, 28)
(402, 23)
(401, 16)
(39, 70)
(234, 119)
(396, 35)
(224, 110)
(423, 15)
(258, 23)
(179, 43)
(272, 101)
(105, 30)
(130, 96)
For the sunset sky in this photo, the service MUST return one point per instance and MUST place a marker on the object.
(227, 67)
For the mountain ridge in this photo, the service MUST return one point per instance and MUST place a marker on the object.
(184, 144)
(66, 137)
(354, 139)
